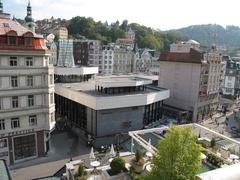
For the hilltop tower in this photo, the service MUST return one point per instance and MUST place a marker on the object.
(29, 21)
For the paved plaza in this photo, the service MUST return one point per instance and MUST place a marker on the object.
(63, 146)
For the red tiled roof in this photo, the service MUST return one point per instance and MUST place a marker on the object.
(193, 56)
(7, 25)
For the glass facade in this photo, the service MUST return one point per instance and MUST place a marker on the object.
(24, 147)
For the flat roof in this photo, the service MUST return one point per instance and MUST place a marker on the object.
(226, 173)
(75, 70)
(115, 81)
(88, 88)
(86, 94)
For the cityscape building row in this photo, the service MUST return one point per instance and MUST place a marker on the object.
(110, 58)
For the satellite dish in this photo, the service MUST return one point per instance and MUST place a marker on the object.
(50, 37)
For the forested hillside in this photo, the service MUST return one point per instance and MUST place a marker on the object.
(145, 36)
(228, 37)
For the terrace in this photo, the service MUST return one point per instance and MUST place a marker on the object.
(218, 152)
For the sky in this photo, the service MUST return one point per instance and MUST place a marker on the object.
(158, 14)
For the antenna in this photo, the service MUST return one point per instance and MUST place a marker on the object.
(214, 36)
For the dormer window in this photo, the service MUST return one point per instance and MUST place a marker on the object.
(12, 40)
(28, 41)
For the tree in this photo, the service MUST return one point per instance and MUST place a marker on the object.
(178, 156)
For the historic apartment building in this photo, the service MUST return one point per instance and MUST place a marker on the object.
(123, 60)
(193, 78)
(26, 91)
(231, 81)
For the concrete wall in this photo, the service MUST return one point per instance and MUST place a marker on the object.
(182, 79)
(112, 121)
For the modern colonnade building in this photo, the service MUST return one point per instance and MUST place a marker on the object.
(101, 108)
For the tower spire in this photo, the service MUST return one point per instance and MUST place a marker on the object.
(1, 7)
(29, 9)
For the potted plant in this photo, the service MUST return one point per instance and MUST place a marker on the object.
(138, 162)
(117, 165)
(213, 145)
(81, 174)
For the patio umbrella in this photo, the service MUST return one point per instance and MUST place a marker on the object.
(149, 141)
(233, 156)
(112, 152)
(203, 156)
(92, 156)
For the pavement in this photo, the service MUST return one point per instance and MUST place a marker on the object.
(220, 124)
(63, 147)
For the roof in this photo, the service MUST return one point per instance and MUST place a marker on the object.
(193, 56)
(191, 41)
(230, 172)
(7, 25)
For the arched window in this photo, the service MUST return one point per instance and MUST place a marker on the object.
(12, 38)
(28, 39)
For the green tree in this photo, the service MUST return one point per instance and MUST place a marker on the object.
(178, 156)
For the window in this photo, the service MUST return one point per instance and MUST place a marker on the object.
(30, 81)
(33, 120)
(51, 79)
(14, 81)
(28, 41)
(51, 98)
(29, 61)
(12, 40)
(13, 61)
(3, 143)
(14, 102)
(2, 124)
(30, 100)
(51, 117)
(15, 123)
(24, 146)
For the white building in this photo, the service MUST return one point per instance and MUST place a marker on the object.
(123, 60)
(106, 66)
(142, 61)
(193, 78)
(26, 93)
(102, 108)
(230, 77)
